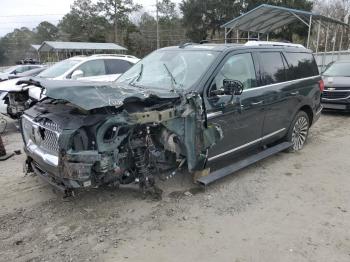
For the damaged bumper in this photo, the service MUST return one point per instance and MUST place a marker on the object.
(118, 148)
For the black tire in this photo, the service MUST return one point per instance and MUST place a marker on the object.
(298, 131)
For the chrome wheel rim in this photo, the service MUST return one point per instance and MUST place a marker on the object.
(300, 132)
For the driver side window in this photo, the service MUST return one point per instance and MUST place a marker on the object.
(238, 67)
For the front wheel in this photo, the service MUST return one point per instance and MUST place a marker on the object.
(298, 131)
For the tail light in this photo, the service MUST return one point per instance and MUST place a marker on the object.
(321, 85)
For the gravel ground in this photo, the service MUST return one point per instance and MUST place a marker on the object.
(290, 207)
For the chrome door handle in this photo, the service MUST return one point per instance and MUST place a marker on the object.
(257, 103)
(295, 93)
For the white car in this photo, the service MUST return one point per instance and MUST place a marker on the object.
(14, 70)
(104, 68)
(96, 68)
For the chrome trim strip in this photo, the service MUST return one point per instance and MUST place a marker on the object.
(319, 111)
(273, 134)
(335, 99)
(214, 114)
(325, 90)
(246, 145)
(285, 82)
(42, 126)
(47, 158)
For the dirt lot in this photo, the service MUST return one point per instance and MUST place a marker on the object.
(291, 207)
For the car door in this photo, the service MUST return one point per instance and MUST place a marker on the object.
(240, 117)
(276, 94)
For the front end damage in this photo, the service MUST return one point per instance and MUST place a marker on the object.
(74, 148)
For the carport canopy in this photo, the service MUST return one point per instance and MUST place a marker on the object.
(51, 46)
(267, 18)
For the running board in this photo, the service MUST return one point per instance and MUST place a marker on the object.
(228, 170)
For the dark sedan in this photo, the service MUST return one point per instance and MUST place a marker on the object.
(336, 94)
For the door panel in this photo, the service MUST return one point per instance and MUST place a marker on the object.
(273, 68)
(240, 117)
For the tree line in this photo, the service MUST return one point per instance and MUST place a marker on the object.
(128, 24)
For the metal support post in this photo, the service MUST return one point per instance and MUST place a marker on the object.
(309, 34)
(318, 36)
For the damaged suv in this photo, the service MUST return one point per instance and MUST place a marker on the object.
(179, 108)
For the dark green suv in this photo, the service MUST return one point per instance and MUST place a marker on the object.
(180, 108)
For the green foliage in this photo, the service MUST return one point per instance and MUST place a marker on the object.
(45, 31)
(83, 23)
(120, 21)
(15, 45)
(117, 13)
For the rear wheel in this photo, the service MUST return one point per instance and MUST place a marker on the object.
(298, 131)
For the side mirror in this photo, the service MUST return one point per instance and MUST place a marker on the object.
(77, 74)
(15, 72)
(233, 87)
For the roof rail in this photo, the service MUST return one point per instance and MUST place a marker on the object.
(116, 55)
(185, 44)
(271, 43)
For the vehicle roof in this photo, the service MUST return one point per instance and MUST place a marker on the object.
(105, 56)
(229, 47)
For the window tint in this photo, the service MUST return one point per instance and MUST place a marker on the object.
(273, 70)
(117, 66)
(301, 65)
(237, 67)
(22, 69)
(93, 68)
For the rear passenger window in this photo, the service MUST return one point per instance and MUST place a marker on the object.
(117, 66)
(301, 65)
(273, 69)
(93, 68)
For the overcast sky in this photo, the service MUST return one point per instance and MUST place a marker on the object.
(18, 13)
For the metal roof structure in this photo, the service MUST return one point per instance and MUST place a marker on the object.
(35, 47)
(50, 46)
(265, 19)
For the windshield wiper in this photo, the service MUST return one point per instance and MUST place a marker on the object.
(173, 80)
(137, 78)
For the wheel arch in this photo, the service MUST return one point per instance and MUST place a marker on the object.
(308, 110)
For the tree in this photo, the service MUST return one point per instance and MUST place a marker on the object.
(204, 18)
(167, 11)
(83, 23)
(45, 31)
(116, 12)
(15, 45)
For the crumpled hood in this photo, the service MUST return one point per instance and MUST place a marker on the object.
(11, 85)
(92, 95)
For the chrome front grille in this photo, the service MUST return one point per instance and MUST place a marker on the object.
(335, 95)
(43, 134)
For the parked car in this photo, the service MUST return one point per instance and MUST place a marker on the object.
(180, 108)
(336, 93)
(12, 96)
(32, 72)
(91, 68)
(94, 68)
(14, 70)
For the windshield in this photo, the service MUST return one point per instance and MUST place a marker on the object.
(58, 69)
(10, 69)
(169, 69)
(338, 69)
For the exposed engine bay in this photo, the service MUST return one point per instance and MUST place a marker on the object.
(74, 148)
